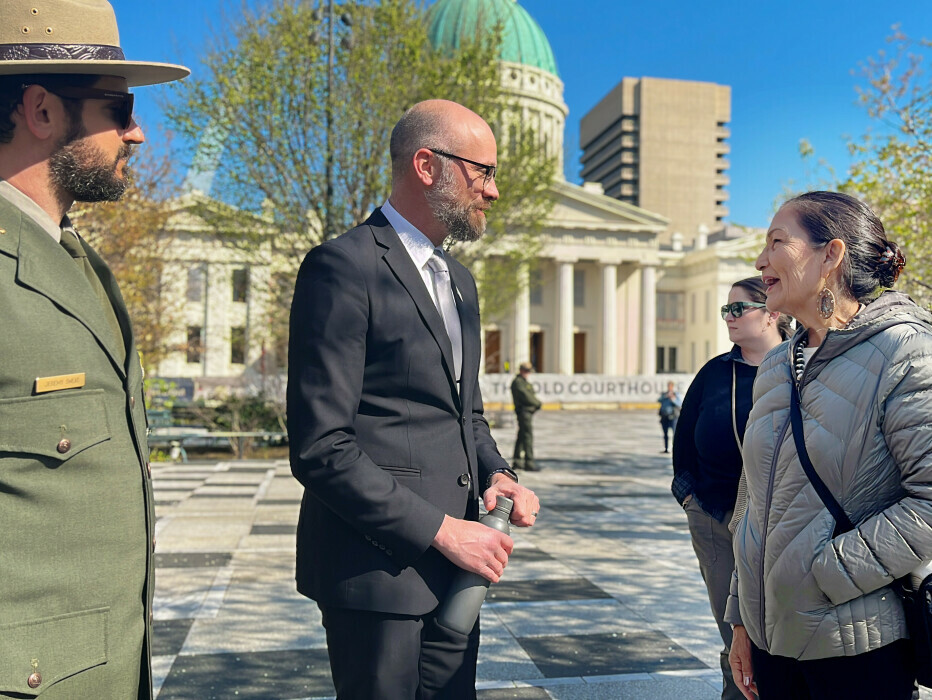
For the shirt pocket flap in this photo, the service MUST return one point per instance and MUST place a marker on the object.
(36, 654)
(58, 425)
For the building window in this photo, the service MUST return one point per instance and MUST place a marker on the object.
(536, 291)
(240, 283)
(195, 344)
(197, 277)
(238, 345)
(579, 288)
(666, 360)
(670, 307)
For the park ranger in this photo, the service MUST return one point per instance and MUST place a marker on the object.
(76, 514)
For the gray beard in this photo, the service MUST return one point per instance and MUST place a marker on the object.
(80, 170)
(449, 211)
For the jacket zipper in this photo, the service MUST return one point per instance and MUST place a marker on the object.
(797, 386)
(763, 540)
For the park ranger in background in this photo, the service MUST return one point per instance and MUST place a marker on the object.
(526, 405)
(76, 514)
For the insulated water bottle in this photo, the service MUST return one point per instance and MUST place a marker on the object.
(461, 607)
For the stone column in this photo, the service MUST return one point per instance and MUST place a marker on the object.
(564, 317)
(609, 319)
(521, 340)
(648, 320)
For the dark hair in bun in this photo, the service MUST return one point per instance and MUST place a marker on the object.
(872, 261)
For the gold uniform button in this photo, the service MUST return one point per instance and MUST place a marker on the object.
(64, 445)
(132, 402)
(34, 680)
(149, 468)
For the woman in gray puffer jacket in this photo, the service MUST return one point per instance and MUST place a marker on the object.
(814, 613)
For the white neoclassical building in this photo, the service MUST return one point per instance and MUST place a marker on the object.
(614, 292)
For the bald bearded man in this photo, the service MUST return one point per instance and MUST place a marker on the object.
(386, 422)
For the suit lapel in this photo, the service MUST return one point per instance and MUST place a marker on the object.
(403, 268)
(46, 267)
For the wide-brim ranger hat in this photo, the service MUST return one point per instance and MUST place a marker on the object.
(71, 37)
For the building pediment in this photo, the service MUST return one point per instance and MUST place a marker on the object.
(583, 209)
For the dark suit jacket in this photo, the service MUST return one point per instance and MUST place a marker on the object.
(380, 437)
(76, 519)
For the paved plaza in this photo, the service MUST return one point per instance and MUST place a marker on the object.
(601, 599)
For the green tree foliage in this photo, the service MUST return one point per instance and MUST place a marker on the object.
(263, 95)
(892, 168)
(131, 235)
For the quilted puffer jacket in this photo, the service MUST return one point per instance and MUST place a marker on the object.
(866, 398)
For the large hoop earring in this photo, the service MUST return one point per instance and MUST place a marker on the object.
(826, 303)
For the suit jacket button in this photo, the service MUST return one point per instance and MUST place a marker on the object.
(64, 445)
(463, 480)
(34, 680)
(368, 538)
(388, 552)
(381, 546)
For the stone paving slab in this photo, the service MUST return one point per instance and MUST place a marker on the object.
(602, 598)
(573, 617)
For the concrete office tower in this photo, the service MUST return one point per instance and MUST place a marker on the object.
(661, 145)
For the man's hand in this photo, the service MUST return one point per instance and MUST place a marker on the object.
(526, 507)
(740, 659)
(474, 546)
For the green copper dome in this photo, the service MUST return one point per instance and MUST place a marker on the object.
(523, 40)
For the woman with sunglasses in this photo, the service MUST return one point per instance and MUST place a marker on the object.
(707, 443)
(813, 603)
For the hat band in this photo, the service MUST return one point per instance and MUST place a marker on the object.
(60, 52)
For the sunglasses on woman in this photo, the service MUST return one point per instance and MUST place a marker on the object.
(736, 308)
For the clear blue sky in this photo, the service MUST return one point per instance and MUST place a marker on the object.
(792, 66)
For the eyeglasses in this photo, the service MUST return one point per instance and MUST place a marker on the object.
(123, 100)
(737, 308)
(488, 171)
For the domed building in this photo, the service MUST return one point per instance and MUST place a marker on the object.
(606, 298)
(529, 70)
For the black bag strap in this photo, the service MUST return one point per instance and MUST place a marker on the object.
(842, 523)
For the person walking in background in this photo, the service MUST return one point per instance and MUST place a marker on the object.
(76, 511)
(670, 404)
(386, 424)
(707, 444)
(812, 601)
(526, 405)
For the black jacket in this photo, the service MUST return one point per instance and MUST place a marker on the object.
(380, 437)
(706, 457)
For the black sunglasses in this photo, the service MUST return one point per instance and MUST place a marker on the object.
(737, 308)
(123, 100)
(488, 171)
